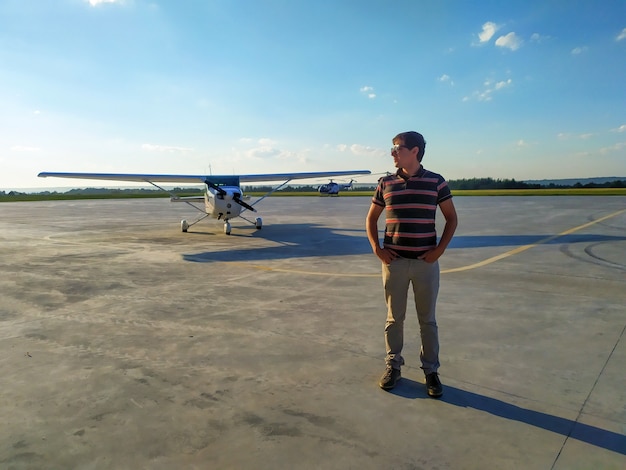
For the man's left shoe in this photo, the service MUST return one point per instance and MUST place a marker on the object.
(433, 385)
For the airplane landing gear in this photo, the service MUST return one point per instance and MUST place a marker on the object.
(227, 228)
(184, 225)
(258, 223)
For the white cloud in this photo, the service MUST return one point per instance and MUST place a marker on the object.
(511, 41)
(369, 91)
(613, 148)
(24, 148)
(489, 29)
(621, 35)
(538, 38)
(503, 84)
(364, 150)
(568, 136)
(264, 152)
(521, 143)
(94, 3)
(446, 79)
(361, 150)
(165, 148)
(621, 128)
(579, 50)
(490, 88)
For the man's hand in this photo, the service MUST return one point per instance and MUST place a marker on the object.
(432, 255)
(386, 255)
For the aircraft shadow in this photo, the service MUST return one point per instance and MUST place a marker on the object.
(593, 435)
(309, 240)
(292, 241)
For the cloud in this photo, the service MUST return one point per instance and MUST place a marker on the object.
(165, 148)
(621, 36)
(95, 3)
(521, 143)
(361, 150)
(511, 41)
(568, 136)
(579, 50)
(266, 149)
(264, 152)
(489, 29)
(538, 38)
(369, 91)
(446, 79)
(621, 128)
(613, 148)
(24, 148)
(503, 84)
(490, 88)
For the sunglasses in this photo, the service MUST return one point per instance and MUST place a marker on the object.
(396, 148)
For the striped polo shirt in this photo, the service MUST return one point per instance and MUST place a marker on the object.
(411, 206)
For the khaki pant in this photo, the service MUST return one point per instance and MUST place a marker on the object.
(425, 280)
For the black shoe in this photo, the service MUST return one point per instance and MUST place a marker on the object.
(433, 385)
(390, 378)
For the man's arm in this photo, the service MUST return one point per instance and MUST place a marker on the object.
(449, 212)
(371, 227)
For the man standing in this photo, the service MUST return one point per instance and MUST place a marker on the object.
(410, 252)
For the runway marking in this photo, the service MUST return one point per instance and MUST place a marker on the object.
(297, 271)
(480, 264)
(528, 247)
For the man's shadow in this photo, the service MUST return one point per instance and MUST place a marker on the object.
(609, 440)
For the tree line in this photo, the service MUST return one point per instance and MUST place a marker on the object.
(461, 184)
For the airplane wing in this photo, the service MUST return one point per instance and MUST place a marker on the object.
(147, 178)
(295, 176)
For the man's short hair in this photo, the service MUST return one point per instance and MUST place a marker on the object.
(413, 139)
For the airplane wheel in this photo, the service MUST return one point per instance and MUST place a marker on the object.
(227, 228)
(258, 223)
(184, 225)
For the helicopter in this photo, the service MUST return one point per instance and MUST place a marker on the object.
(332, 189)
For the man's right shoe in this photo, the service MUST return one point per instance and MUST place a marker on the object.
(390, 378)
(433, 385)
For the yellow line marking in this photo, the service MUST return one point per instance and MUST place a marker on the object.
(480, 264)
(297, 271)
(528, 247)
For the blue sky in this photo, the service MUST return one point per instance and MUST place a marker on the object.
(504, 89)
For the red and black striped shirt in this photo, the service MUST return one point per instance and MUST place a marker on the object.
(411, 206)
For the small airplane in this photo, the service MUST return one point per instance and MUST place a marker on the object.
(332, 189)
(223, 197)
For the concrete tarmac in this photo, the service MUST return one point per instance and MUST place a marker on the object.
(127, 344)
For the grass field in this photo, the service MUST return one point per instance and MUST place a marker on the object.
(353, 193)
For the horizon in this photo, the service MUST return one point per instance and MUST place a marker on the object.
(61, 189)
(513, 90)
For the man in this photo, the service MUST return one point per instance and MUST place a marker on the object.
(410, 251)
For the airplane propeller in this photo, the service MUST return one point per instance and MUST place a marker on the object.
(243, 204)
(216, 187)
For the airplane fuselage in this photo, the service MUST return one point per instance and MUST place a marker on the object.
(222, 205)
